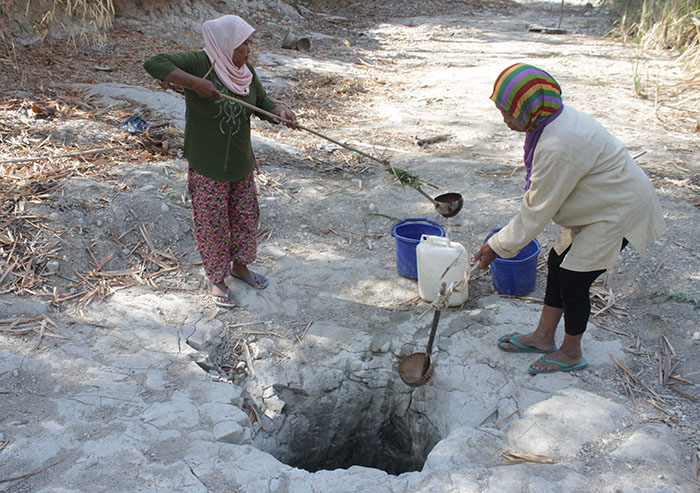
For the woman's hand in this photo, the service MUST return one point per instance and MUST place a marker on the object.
(205, 89)
(485, 256)
(287, 115)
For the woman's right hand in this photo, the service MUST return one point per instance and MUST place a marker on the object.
(206, 89)
(485, 256)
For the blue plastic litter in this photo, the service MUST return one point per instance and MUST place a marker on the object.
(135, 125)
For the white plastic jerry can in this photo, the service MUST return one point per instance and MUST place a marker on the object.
(440, 260)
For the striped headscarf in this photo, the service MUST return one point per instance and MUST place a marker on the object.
(528, 93)
(532, 97)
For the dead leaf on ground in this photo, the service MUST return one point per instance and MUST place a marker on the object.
(43, 111)
(512, 458)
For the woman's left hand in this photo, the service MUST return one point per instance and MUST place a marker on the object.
(287, 115)
(485, 256)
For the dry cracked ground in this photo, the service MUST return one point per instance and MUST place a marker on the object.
(117, 371)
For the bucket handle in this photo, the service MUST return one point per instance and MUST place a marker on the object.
(417, 220)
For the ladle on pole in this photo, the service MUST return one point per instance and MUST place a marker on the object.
(416, 369)
(447, 204)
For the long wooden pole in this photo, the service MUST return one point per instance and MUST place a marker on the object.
(383, 162)
(319, 134)
(561, 13)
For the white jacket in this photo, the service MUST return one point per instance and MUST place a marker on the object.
(584, 179)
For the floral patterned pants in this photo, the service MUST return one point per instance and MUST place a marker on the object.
(225, 216)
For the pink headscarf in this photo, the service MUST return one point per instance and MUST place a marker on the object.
(221, 37)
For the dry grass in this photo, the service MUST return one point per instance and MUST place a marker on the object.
(36, 166)
(84, 20)
(664, 24)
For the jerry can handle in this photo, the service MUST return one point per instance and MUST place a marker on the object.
(435, 240)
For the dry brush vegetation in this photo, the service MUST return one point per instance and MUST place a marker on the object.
(666, 25)
(89, 19)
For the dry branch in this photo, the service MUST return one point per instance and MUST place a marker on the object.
(603, 300)
(70, 154)
(630, 377)
(683, 394)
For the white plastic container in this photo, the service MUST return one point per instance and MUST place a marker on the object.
(434, 254)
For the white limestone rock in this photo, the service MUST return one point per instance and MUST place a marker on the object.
(560, 425)
(649, 446)
(545, 477)
(463, 446)
(219, 412)
(231, 432)
(179, 412)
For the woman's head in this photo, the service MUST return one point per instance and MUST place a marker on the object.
(229, 36)
(226, 43)
(526, 96)
(242, 53)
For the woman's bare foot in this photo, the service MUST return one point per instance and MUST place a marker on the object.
(568, 357)
(218, 289)
(241, 270)
(565, 361)
(222, 295)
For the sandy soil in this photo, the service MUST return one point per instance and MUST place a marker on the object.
(409, 83)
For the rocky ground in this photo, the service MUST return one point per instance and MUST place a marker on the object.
(118, 374)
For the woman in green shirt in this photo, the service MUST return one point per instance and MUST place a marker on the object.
(218, 148)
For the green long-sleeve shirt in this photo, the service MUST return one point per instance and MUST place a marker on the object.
(217, 131)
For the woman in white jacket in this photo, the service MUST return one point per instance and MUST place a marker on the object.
(582, 178)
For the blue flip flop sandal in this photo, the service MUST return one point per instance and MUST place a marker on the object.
(562, 367)
(520, 348)
(258, 281)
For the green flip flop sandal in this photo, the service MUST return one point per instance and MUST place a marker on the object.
(519, 347)
(562, 367)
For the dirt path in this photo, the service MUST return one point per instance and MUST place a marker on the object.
(336, 316)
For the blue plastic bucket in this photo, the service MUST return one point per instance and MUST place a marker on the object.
(516, 276)
(408, 234)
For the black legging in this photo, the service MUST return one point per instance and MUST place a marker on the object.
(570, 290)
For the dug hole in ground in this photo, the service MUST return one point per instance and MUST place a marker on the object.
(117, 373)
